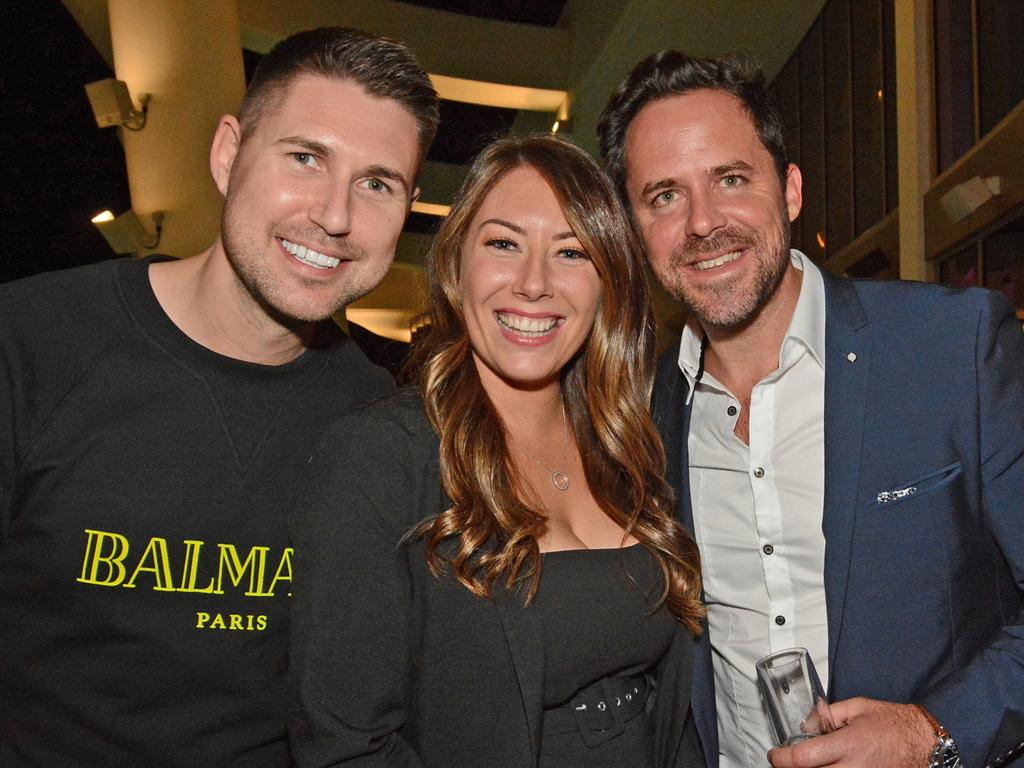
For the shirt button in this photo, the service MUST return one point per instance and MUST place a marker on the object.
(759, 472)
(780, 620)
(767, 549)
(731, 410)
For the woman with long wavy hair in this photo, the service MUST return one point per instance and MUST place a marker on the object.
(488, 570)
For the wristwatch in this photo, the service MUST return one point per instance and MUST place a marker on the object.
(945, 753)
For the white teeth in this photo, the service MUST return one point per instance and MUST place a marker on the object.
(527, 326)
(717, 262)
(309, 256)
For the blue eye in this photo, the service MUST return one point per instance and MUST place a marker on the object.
(573, 254)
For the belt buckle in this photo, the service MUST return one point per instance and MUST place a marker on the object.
(598, 721)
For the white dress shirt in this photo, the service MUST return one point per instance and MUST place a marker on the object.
(757, 514)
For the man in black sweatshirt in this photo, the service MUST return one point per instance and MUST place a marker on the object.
(156, 416)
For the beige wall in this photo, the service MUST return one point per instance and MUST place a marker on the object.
(194, 74)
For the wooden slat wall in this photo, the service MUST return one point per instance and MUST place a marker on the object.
(837, 97)
(812, 139)
(838, 100)
(868, 116)
(788, 98)
(892, 194)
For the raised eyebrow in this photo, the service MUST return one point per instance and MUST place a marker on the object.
(383, 172)
(314, 147)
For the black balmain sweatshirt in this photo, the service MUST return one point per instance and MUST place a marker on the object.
(145, 565)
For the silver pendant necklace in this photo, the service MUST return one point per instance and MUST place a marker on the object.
(558, 477)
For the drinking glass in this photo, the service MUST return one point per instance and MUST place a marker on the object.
(793, 696)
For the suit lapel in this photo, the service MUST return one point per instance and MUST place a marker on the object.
(523, 630)
(847, 357)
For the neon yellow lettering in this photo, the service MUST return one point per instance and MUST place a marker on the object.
(284, 570)
(255, 564)
(190, 569)
(160, 566)
(95, 558)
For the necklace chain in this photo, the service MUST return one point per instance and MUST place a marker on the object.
(559, 478)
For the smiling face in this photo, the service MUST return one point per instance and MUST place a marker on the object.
(316, 196)
(528, 291)
(706, 196)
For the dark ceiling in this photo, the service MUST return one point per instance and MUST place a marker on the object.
(544, 13)
(58, 169)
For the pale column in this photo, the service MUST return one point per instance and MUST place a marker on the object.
(187, 54)
(915, 131)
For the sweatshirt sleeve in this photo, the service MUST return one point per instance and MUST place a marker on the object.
(8, 462)
(351, 629)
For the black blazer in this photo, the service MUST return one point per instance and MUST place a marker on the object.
(924, 388)
(392, 666)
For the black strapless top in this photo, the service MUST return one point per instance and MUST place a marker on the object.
(598, 624)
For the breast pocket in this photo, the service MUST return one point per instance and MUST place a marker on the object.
(914, 489)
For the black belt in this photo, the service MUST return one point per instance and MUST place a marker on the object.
(601, 710)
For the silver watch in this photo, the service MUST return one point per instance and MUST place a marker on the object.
(945, 753)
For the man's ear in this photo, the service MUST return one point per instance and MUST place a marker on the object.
(794, 191)
(414, 197)
(227, 140)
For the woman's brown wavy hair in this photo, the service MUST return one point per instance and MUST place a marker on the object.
(490, 532)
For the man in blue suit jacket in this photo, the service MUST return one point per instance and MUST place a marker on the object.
(849, 455)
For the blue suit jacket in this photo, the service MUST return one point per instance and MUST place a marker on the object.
(925, 594)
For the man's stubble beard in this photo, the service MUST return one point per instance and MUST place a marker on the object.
(251, 265)
(733, 303)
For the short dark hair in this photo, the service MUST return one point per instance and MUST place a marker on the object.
(385, 68)
(672, 73)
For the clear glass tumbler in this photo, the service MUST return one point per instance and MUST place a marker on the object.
(793, 696)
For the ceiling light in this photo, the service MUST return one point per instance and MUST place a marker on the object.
(499, 94)
(431, 209)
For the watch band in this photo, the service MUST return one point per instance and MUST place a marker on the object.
(945, 753)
